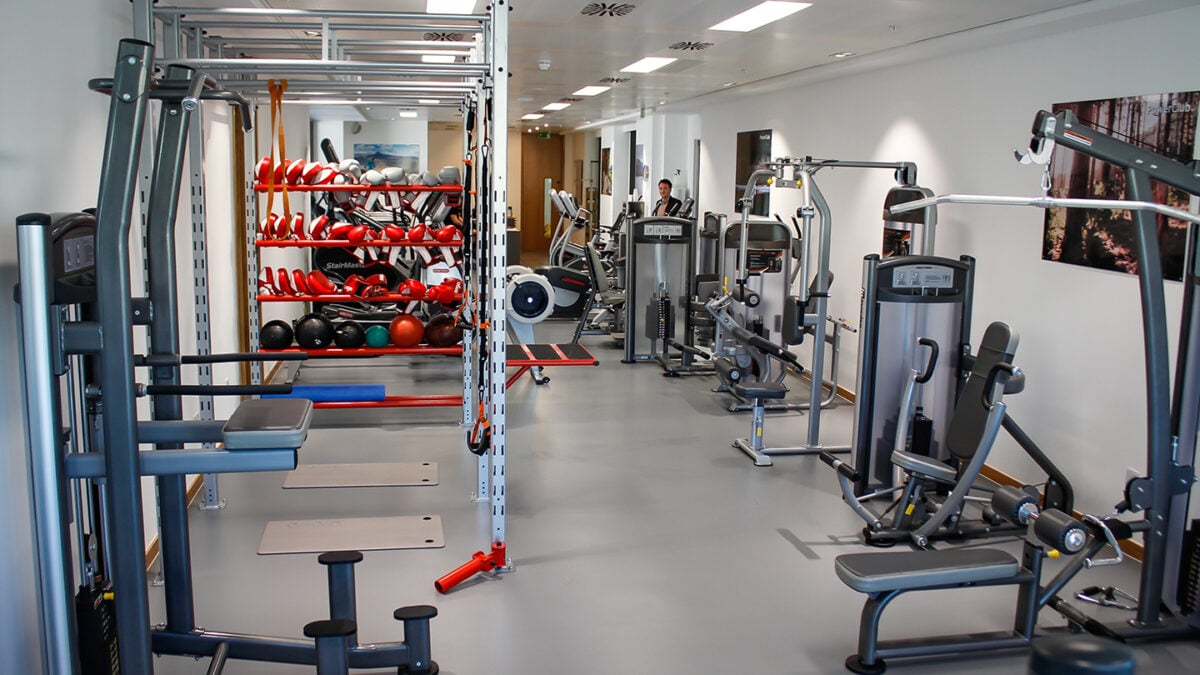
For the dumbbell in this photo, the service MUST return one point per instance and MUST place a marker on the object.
(1053, 527)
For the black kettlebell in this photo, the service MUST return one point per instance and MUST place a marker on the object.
(314, 331)
(349, 335)
(275, 335)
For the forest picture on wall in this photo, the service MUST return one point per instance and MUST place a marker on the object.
(1161, 123)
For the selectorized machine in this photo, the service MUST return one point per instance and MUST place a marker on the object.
(1167, 604)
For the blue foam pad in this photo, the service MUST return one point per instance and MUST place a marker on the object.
(322, 393)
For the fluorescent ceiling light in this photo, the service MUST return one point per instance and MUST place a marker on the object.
(648, 64)
(437, 58)
(592, 90)
(408, 113)
(428, 101)
(842, 55)
(556, 106)
(450, 6)
(533, 116)
(760, 15)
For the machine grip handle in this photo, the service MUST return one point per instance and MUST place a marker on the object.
(933, 357)
(992, 378)
(838, 465)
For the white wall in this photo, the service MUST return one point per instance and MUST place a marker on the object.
(51, 155)
(959, 116)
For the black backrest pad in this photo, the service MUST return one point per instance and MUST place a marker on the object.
(965, 432)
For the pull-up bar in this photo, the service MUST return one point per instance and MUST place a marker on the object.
(1046, 203)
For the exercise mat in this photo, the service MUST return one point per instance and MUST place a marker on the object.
(351, 534)
(381, 474)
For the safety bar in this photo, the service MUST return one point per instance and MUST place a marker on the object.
(190, 92)
(182, 462)
(1046, 203)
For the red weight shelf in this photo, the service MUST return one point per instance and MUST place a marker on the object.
(456, 350)
(346, 297)
(342, 243)
(352, 187)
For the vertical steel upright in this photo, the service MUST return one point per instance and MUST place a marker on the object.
(160, 260)
(118, 178)
(498, 260)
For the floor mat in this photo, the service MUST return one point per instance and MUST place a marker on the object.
(351, 534)
(369, 474)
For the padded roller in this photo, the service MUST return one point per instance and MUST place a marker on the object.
(1061, 531)
(1012, 504)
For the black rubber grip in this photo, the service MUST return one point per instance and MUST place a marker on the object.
(838, 465)
(240, 357)
(1061, 531)
(933, 357)
(1007, 502)
(217, 390)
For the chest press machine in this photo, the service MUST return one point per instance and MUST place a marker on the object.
(1168, 603)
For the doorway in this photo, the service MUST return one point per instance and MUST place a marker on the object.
(541, 160)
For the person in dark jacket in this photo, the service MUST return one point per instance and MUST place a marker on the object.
(667, 205)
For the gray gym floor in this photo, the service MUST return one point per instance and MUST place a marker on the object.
(643, 543)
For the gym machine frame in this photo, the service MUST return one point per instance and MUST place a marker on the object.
(1166, 607)
(810, 306)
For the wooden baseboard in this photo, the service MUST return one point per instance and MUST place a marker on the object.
(193, 492)
(1131, 548)
(842, 392)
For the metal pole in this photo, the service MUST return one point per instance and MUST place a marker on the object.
(43, 420)
(498, 132)
(821, 293)
(124, 525)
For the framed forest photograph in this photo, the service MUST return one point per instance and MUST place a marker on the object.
(1103, 239)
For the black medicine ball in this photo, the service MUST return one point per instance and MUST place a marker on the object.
(275, 335)
(314, 331)
(349, 335)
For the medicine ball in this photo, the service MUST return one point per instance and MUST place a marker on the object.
(275, 335)
(377, 336)
(349, 335)
(314, 331)
(443, 331)
(406, 330)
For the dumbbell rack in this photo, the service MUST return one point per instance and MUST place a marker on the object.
(435, 400)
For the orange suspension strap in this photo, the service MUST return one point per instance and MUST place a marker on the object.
(276, 90)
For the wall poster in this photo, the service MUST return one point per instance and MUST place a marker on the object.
(606, 171)
(378, 156)
(1161, 123)
(753, 152)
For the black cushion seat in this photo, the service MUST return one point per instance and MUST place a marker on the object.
(924, 466)
(880, 572)
(753, 390)
(1080, 655)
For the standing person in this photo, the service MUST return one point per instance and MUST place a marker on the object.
(667, 205)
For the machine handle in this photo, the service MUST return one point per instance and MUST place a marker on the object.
(838, 465)
(217, 390)
(933, 357)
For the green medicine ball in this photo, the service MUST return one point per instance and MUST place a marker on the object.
(377, 336)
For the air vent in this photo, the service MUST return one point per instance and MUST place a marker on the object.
(442, 37)
(570, 99)
(614, 80)
(691, 46)
(607, 9)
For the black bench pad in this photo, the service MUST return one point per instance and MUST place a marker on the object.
(759, 390)
(879, 572)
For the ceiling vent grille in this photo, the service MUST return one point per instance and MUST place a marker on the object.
(607, 9)
(691, 46)
(443, 37)
(614, 80)
(570, 99)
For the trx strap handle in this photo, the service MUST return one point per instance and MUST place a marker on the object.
(276, 89)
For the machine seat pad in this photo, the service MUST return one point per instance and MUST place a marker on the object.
(881, 572)
(759, 390)
(269, 423)
(925, 466)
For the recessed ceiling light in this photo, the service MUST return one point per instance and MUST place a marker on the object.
(428, 101)
(408, 113)
(842, 55)
(533, 116)
(592, 90)
(760, 15)
(368, 107)
(728, 84)
(450, 6)
(648, 64)
(662, 102)
(437, 58)
(313, 33)
(556, 106)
